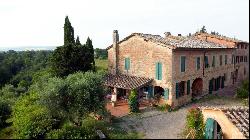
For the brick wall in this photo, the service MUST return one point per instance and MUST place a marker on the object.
(191, 73)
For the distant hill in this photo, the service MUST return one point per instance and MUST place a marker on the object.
(25, 48)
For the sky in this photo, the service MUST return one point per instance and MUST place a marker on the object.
(38, 24)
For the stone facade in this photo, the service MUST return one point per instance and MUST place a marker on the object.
(145, 53)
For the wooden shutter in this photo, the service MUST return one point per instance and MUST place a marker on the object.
(156, 71)
(166, 93)
(150, 91)
(209, 130)
(177, 90)
(188, 87)
(213, 62)
(225, 59)
(128, 63)
(183, 59)
(159, 71)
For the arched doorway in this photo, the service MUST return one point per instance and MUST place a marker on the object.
(197, 87)
(158, 93)
(212, 129)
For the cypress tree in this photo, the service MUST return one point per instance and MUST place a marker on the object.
(90, 52)
(68, 32)
(78, 41)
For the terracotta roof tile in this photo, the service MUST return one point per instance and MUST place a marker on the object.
(238, 115)
(174, 42)
(125, 81)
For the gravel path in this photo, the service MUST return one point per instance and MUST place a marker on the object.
(155, 124)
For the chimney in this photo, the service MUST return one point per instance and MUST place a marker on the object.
(167, 34)
(115, 46)
(179, 34)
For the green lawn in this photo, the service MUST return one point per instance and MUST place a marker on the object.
(101, 64)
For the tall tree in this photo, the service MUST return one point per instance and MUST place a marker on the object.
(90, 52)
(68, 32)
(78, 41)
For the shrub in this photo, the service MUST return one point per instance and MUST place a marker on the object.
(73, 132)
(243, 91)
(133, 101)
(29, 119)
(164, 107)
(194, 124)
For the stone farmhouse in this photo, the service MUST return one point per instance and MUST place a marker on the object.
(175, 69)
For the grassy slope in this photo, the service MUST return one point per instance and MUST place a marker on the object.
(101, 64)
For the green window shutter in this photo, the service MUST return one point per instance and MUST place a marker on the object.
(156, 71)
(220, 59)
(125, 66)
(160, 71)
(183, 65)
(209, 129)
(213, 62)
(188, 87)
(198, 63)
(166, 93)
(232, 59)
(206, 62)
(150, 91)
(128, 65)
(225, 59)
(177, 90)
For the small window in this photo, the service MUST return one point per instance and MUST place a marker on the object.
(213, 61)
(206, 62)
(188, 87)
(232, 59)
(197, 63)
(183, 63)
(220, 60)
(127, 63)
(180, 89)
(244, 71)
(225, 59)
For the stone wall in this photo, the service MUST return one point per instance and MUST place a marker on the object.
(143, 58)
(191, 73)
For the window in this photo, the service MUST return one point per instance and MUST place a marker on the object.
(206, 62)
(244, 71)
(246, 58)
(127, 63)
(232, 59)
(183, 63)
(220, 60)
(158, 71)
(225, 59)
(197, 63)
(180, 89)
(225, 76)
(241, 58)
(213, 61)
(237, 59)
(188, 87)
